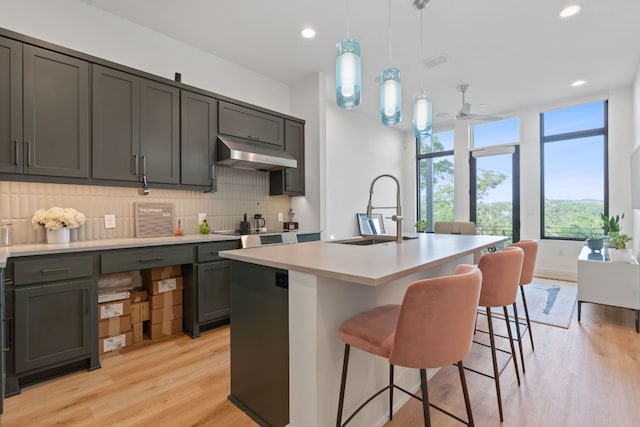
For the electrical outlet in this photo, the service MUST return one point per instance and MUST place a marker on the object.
(201, 217)
(109, 221)
(280, 217)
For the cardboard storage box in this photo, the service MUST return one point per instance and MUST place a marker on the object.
(166, 314)
(165, 299)
(115, 343)
(160, 273)
(139, 312)
(114, 326)
(136, 330)
(114, 309)
(138, 294)
(165, 285)
(163, 329)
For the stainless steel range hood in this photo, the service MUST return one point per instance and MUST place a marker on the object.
(243, 154)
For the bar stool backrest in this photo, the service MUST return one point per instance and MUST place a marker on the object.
(500, 276)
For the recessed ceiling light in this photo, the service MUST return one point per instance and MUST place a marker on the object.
(570, 11)
(578, 83)
(308, 33)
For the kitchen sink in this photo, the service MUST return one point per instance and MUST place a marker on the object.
(366, 240)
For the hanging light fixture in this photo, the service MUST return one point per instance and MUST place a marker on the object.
(422, 107)
(390, 90)
(348, 73)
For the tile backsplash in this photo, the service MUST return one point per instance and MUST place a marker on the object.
(239, 191)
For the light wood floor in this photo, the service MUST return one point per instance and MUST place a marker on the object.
(588, 375)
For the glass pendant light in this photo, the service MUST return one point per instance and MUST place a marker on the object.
(348, 72)
(422, 107)
(390, 90)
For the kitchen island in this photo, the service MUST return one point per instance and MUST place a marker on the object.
(327, 283)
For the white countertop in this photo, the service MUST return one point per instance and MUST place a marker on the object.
(123, 243)
(368, 265)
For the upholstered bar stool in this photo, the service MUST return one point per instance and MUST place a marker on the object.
(500, 279)
(458, 227)
(432, 328)
(530, 248)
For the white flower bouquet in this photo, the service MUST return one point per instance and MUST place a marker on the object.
(56, 218)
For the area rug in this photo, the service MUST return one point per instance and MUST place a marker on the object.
(550, 302)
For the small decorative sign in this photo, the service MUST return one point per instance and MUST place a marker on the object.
(154, 219)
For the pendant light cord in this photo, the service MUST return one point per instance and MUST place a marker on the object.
(389, 33)
(348, 23)
(421, 49)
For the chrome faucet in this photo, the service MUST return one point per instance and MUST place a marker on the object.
(397, 218)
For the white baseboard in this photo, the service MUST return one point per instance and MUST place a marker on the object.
(571, 276)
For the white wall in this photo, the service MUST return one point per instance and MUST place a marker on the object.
(636, 145)
(358, 149)
(76, 25)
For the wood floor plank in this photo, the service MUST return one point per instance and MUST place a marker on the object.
(584, 376)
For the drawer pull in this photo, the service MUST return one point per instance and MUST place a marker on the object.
(151, 259)
(55, 270)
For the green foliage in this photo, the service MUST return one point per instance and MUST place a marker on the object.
(593, 235)
(618, 240)
(611, 225)
(421, 225)
(572, 218)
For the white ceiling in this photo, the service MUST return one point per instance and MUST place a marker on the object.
(513, 53)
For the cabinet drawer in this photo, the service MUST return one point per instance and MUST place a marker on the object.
(209, 251)
(250, 124)
(47, 269)
(137, 259)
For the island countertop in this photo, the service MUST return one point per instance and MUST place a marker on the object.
(367, 265)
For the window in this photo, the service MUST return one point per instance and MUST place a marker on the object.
(435, 178)
(574, 173)
(496, 133)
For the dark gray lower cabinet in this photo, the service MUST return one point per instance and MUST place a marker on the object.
(53, 323)
(213, 291)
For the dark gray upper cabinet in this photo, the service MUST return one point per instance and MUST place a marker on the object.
(56, 114)
(251, 124)
(10, 106)
(136, 126)
(290, 181)
(160, 132)
(199, 122)
(44, 112)
(116, 125)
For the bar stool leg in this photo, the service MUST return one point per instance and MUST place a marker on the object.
(390, 392)
(345, 364)
(515, 315)
(526, 314)
(425, 398)
(465, 392)
(514, 356)
(496, 374)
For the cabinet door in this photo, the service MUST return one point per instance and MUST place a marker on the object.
(291, 180)
(198, 120)
(53, 324)
(250, 124)
(56, 114)
(10, 106)
(116, 125)
(213, 291)
(159, 132)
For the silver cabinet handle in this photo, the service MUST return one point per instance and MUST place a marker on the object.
(151, 259)
(144, 164)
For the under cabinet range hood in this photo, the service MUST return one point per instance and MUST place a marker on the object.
(243, 154)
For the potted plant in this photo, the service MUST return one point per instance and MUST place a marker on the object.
(421, 225)
(57, 222)
(595, 241)
(619, 240)
(611, 225)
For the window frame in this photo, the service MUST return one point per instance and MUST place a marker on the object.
(426, 156)
(602, 131)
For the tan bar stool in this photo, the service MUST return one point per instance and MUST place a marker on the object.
(432, 328)
(530, 248)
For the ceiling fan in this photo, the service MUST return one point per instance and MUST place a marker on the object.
(465, 111)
